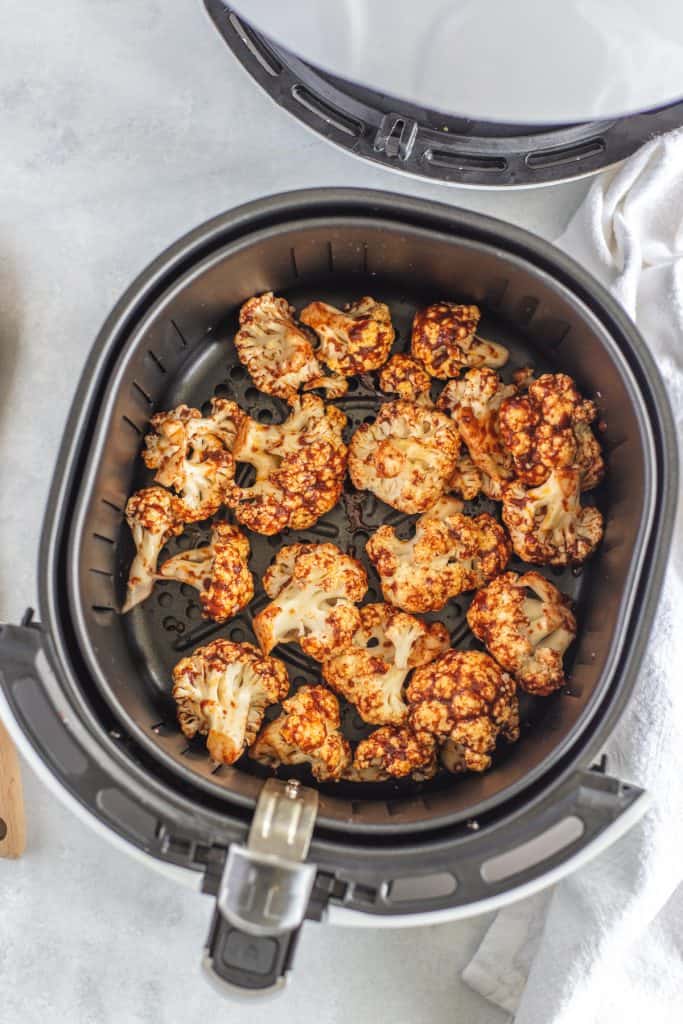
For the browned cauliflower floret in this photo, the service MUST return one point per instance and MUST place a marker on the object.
(466, 699)
(354, 341)
(307, 731)
(222, 691)
(372, 670)
(154, 516)
(219, 572)
(445, 339)
(527, 625)
(449, 554)
(466, 479)
(276, 351)
(549, 428)
(300, 466)
(314, 588)
(394, 752)
(406, 456)
(548, 525)
(474, 402)
(191, 454)
(405, 377)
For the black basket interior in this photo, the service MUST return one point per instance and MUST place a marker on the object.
(183, 352)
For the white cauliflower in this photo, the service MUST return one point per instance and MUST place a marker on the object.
(527, 625)
(354, 341)
(449, 554)
(219, 571)
(222, 691)
(466, 699)
(394, 752)
(371, 672)
(154, 516)
(474, 403)
(314, 590)
(406, 377)
(548, 525)
(277, 352)
(300, 466)
(444, 339)
(406, 457)
(549, 428)
(191, 454)
(307, 732)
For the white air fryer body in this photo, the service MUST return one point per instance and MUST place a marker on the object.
(527, 62)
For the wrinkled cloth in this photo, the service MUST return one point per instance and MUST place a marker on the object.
(606, 944)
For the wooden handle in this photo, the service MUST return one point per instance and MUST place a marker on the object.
(12, 824)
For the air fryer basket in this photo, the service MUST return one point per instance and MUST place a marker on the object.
(169, 359)
(88, 689)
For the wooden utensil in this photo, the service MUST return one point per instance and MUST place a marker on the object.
(12, 823)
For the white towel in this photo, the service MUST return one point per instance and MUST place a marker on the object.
(607, 943)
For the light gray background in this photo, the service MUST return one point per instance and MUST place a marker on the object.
(122, 125)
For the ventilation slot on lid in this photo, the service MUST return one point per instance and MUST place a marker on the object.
(566, 154)
(465, 161)
(334, 118)
(257, 48)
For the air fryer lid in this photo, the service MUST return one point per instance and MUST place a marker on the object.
(88, 687)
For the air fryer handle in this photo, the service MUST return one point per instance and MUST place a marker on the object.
(244, 964)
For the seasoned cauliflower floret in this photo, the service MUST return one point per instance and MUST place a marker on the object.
(549, 428)
(191, 454)
(474, 402)
(406, 456)
(372, 670)
(394, 752)
(466, 480)
(276, 351)
(406, 377)
(449, 554)
(154, 516)
(466, 699)
(548, 525)
(307, 732)
(354, 341)
(218, 571)
(445, 339)
(314, 588)
(222, 691)
(527, 625)
(300, 466)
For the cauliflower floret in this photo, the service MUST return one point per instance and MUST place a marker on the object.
(407, 378)
(466, 480)
(406, 456)
(314, 588)
(354, 341)
(548, 525)
(222, 691)
(300, 466)
(527, 625)
(474, 402)
(277, 353)
(307, 732)
(449, 554)
(219, 572)
(465, 698)
(154, 516)
(191, 454)
(371, 672)
(549, 428)
(394, 752)
(445, 339)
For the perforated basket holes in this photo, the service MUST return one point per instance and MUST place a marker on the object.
(169, 626)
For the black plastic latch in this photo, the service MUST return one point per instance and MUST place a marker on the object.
(248, 964)
(396, 136)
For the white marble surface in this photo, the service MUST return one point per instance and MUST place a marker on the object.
(123, 125)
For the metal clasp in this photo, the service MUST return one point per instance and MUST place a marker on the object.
(266, 885)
